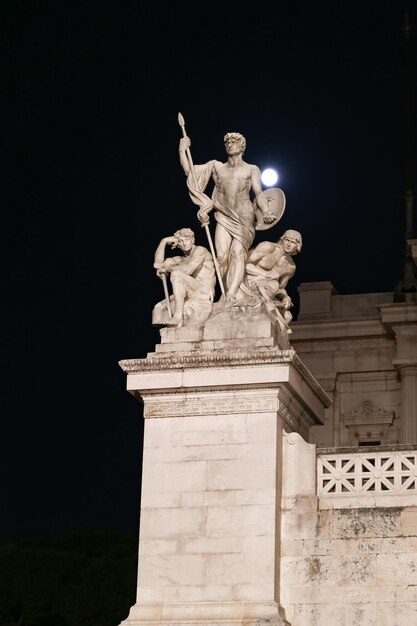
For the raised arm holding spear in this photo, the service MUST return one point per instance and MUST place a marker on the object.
(199, 198)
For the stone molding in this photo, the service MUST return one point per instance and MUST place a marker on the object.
(210, 403)
(160, 363)
(193, 359)
(293, 414)
(337, 330)
(398, 313)
(225, 613)
(368, 420)
(327, 343)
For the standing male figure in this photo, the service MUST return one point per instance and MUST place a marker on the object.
(193, 279)
(234, 209)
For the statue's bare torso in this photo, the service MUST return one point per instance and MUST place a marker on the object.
(233, 185)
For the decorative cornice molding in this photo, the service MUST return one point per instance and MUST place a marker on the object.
(188, 360)
(163, 362)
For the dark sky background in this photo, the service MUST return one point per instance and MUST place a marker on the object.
(92, 94)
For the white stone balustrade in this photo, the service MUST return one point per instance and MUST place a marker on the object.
(371, 478)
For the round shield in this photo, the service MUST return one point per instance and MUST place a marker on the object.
(275, 199)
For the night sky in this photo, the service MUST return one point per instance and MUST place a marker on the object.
(93, 182)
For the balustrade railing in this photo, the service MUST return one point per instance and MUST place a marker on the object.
(367, 473)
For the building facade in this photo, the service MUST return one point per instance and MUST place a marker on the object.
(362, 348)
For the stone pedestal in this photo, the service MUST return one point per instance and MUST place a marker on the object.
(210, 524)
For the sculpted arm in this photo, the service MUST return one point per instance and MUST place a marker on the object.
(261, 262)
(285, 298)
(256, 270)
(256, 183)
(161, 264)
(185, 143)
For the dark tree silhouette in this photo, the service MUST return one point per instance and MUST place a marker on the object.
(85, 579)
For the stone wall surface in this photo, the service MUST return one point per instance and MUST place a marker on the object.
(208, 506)
(352, 566)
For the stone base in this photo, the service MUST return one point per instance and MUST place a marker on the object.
(207, 613)
(226, 330)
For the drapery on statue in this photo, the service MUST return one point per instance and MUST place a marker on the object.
(193, 279)
(235, 212)
(269, 267)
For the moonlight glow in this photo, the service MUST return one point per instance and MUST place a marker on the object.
(269, 177)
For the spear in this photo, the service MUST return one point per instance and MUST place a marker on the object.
(181, 122)
(164, 282)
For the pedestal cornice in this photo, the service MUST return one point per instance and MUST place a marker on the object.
(246, 362)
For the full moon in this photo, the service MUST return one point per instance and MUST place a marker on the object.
(269, 177)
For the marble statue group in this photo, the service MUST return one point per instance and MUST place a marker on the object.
(250, 278)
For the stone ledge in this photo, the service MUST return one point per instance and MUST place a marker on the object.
(403, 447)
(206, 613)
